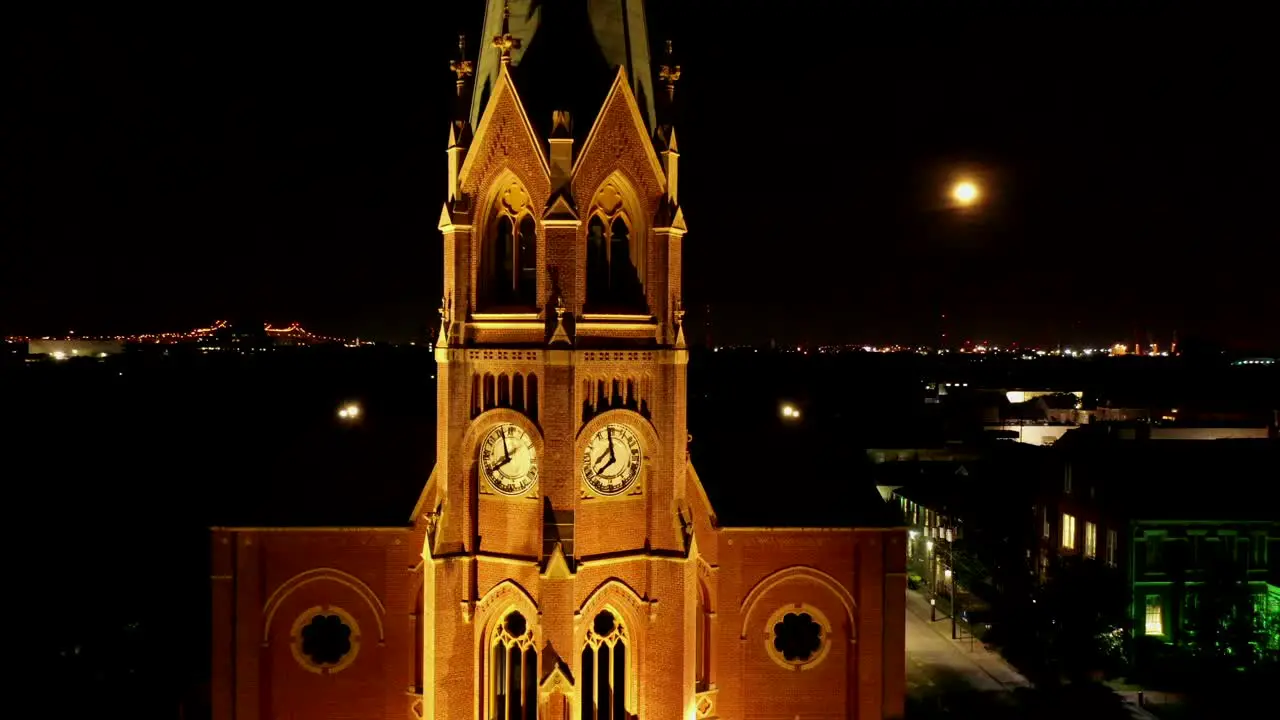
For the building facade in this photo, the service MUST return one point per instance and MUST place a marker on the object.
(563, 559)
(1151, 510)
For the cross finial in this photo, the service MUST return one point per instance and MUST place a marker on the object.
(560, 309)
(669, 73)
(462, 67)
(506, 42)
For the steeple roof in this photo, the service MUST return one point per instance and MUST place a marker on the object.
(568, 57)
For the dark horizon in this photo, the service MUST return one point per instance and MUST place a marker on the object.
(165, 170)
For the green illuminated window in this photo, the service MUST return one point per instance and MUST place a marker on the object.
(1155, 616)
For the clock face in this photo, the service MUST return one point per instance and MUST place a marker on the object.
(611, 462)
(508, 460)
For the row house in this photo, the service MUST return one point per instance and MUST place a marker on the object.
(1167, 515)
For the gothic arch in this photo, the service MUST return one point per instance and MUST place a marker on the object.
(307, 577)
(507, 194)
(502, 598)
(418, 611)
(615, 200)
(615, 595)
(798, 572)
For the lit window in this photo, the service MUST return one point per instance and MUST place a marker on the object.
(1068, 531)
(1090, 540)
(1155, 616)
(1111, 547)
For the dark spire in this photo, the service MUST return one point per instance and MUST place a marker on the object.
(567, 56)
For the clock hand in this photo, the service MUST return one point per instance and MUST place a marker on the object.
(506, 453)
(606, 465)
(599, 458)
(607, 457)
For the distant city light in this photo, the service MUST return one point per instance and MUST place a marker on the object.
(790, 412)
(350, 411)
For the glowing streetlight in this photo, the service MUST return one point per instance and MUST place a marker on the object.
(965, 193)
(790, 412)
(350, 411)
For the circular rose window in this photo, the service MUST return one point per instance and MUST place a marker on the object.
(326, 639)
(797, 637)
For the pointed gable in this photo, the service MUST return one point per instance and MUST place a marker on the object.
(618, 140)
(561, 207)
(505, 138)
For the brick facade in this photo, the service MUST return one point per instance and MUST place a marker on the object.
(426, 603)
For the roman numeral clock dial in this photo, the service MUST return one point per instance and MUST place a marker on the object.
(611, 462)
(508, 460)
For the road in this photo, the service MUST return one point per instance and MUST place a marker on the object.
(946, 678)
(940, 674)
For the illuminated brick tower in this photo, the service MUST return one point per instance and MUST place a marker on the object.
(563, 560)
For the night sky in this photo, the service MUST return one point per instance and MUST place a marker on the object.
(164, 167)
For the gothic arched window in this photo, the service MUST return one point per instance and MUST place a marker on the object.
(509, 260)
(615, 257)
(511, 673)
(605, 685)
(702, 676)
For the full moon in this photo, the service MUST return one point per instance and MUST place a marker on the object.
(965, 192)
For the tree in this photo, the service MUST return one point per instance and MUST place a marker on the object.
(1225, 626)
(1083, 617)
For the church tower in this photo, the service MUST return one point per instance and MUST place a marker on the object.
(559, 499)
(563, 560)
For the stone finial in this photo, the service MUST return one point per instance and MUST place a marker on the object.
(506, 42)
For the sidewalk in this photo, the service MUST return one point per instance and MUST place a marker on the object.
(988, 660)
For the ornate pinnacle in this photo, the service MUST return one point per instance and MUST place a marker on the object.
(506, 42)
(445, 307)
(679, 317)
(559, 336)
(462, 67)
(669, 73)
